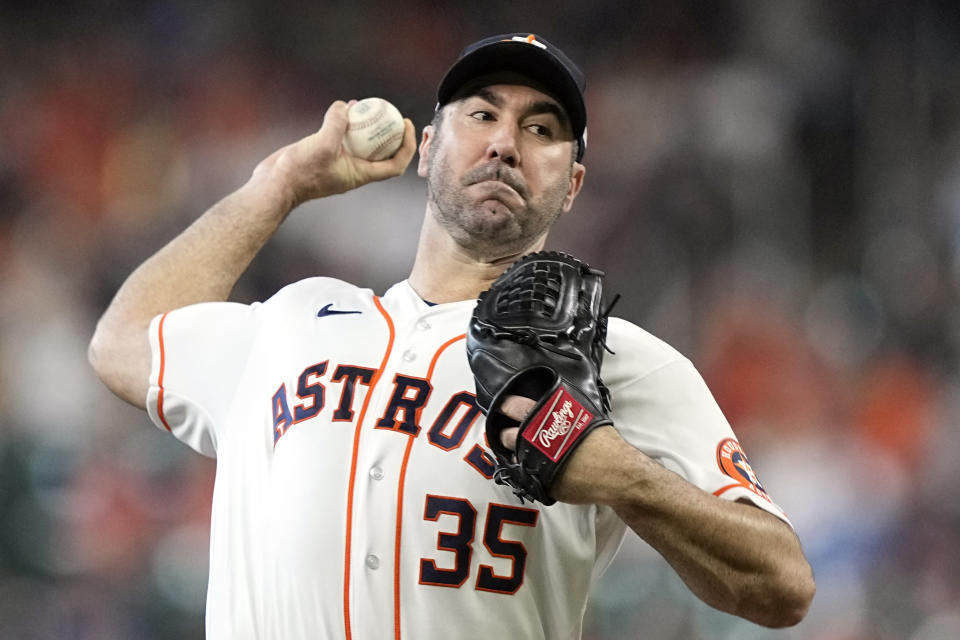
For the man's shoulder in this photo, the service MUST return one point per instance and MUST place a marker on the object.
(310, 290)
(636, 352)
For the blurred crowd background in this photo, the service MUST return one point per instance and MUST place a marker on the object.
(773, 186)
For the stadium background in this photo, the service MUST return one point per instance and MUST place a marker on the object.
(773, 186)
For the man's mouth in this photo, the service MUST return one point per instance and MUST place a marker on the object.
(498, 185)
(498, 177)
(500, 191)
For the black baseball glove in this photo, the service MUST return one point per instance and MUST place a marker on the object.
(539, 332)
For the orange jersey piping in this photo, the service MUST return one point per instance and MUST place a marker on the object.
(400, 487)
(163, 364)
(353, 467)
(723, 490)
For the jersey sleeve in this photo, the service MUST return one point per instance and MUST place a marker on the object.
(199, 354)
(664, 408)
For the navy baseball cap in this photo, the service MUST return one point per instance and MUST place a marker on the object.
(530, 56)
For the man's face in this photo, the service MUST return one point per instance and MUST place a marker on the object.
(500, 169)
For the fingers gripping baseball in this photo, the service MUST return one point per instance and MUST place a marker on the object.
(394, 165)
(319, 165)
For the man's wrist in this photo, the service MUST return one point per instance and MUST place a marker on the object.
(271, 192)
(604, 469)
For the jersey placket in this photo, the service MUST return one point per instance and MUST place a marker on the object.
(385, 440)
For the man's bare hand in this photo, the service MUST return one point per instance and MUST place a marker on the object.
(578, 482)
(319, 165)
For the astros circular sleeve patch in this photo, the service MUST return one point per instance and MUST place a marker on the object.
(733, 462)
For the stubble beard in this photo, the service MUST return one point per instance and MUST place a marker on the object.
(477, 229)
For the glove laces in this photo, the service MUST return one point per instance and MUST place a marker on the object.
(530, 338)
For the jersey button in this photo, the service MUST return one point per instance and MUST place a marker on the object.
(423, 325)
(376, 473)
(373, 562)
(409, 356)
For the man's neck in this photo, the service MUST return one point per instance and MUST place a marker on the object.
(443, 271)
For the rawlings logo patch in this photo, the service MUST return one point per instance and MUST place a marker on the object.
(558, 425)
(560, 421)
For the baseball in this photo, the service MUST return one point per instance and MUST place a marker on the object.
(374, 129)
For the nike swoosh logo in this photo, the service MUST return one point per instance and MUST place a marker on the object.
(327, 311)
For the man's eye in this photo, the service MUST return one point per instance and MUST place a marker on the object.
(540, 130)
(482, 115)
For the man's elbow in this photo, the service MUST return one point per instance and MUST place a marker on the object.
(785, 601)
(122, 366)
(103, 358)
(96, 356)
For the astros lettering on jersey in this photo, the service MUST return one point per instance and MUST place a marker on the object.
(353, 494)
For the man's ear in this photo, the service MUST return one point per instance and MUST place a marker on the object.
(424, 162)
(576, 183)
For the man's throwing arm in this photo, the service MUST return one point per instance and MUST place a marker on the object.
(734, 556)
(204, 262)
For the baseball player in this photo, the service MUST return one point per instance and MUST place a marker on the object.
(354, 493)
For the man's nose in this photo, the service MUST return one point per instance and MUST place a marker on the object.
(503, 145)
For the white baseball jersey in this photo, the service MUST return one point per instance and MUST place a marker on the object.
(353, 494)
